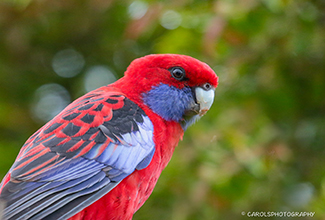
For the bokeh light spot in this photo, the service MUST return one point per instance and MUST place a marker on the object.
(137, 9)
(171, 20)
(98, 76)
(300, 194)
(68, 63)
(49, 100)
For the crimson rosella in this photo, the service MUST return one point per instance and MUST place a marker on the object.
(101, 157)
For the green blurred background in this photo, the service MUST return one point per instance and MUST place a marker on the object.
(259, 148)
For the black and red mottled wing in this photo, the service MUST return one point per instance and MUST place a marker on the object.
(78, 157)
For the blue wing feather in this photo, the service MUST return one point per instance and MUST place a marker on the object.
(145, 162)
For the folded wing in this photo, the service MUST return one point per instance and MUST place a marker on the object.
(78, 157)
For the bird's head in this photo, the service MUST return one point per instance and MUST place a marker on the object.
(176, 87)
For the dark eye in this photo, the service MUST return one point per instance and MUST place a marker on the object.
(178, 73)
(207, 86)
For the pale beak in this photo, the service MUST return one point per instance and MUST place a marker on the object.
(204, 98)
(202, 103)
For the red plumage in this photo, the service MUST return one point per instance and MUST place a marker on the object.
(113, 121)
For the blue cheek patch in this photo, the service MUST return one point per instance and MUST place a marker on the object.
(168, 101)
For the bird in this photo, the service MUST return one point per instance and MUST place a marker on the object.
(101, 156)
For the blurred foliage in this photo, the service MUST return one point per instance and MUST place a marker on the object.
(262, 145)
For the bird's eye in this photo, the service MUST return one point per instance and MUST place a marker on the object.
(178, 73)
(207, 86)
